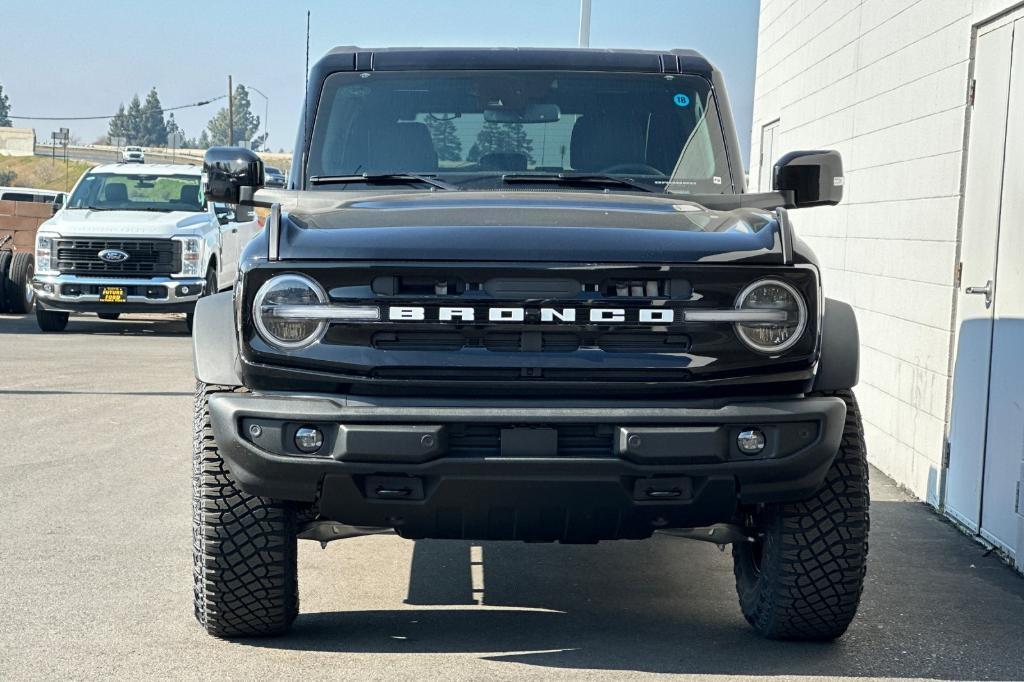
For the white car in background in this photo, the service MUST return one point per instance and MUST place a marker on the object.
(132, 154)
(136, 239)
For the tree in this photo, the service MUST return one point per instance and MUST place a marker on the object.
(5, 110)
(174, 129)
(119, 124)
(204, 141)
(152, 128)
(502, 137)
(245, 123)
(446, 143)
(134, 119)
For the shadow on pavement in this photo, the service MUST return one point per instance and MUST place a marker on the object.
(934, 606)
(129, 325)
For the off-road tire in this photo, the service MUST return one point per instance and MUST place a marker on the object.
(108, 316)
(5, 262)
(20, 297)
(803, 577)
(243, 547)
(51, 320)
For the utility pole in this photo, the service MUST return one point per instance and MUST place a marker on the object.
(231, 115)
(584, 23)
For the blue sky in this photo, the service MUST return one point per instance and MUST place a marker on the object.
(84, 58)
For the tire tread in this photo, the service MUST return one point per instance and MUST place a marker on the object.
(814, 551)
(243, 546)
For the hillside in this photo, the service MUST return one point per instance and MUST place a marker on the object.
(41, 173)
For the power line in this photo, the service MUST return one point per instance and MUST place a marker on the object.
(100, 118)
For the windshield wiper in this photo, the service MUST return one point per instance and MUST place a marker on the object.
(382, 179)
(575, 179)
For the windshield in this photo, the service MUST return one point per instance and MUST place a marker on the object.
(470, 128)
(124, 192)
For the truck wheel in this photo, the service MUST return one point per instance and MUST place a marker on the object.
(209, 290)
(108, 316)
(803, 576)
(243, 547)
(51, 320)
(21, 297)
(5, 261)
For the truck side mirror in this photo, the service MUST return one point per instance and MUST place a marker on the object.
(231, 174)
(814, 178)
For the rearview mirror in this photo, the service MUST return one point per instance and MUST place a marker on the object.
(533, 113)
(231, 174)
(814, 178)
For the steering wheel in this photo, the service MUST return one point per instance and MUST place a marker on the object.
(638, 168)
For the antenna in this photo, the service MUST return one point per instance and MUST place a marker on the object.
(305, 112)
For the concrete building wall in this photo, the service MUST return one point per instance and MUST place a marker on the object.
(885, 82)
(17, 141)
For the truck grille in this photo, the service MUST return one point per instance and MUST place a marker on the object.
(570, 347)
(145, 257)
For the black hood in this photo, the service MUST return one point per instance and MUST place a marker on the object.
(522, 226)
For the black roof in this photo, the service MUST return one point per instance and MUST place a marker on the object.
(352, 58)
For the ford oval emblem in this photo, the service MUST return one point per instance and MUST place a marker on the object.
(113, 255)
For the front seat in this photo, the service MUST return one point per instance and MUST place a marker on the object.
(600, 142)
(403, 146)
(188, 194)
(115, 194)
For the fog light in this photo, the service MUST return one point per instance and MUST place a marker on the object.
(750, 442)
(309, 439)
(185, 291)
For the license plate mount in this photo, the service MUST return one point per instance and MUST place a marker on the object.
(113, 295)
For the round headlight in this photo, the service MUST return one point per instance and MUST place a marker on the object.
(772, 335)
(275, 298)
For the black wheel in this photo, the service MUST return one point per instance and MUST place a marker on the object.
(108, 316)
(209, 289)
(211, 281)
(51, 320)
(21, 297)
(803, 577)
(243, 547)
(5, 262)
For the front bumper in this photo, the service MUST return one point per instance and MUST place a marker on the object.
(432, 467)
(76, 293)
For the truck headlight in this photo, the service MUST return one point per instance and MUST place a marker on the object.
(46, 253)
(275, 298)
(191, 256)
(790, 310)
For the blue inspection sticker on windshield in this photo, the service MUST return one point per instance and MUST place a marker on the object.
(681, 100)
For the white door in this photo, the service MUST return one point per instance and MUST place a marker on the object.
(987, 426)
(229, 250)
(769, 150)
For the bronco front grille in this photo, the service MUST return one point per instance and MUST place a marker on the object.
(452, 324)
(145, 257)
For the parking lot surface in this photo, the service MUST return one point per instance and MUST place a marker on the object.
(95, 564)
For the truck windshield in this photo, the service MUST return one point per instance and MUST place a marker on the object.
(473, 129)
(123, 192)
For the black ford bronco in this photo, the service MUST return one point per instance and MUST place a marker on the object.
(514, 294)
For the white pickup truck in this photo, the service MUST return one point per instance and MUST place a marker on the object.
(136, 239)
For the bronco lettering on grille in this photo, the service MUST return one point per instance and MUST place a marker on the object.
(553, 315)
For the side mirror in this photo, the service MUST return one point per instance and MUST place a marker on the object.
(813, 178)
(231, 174)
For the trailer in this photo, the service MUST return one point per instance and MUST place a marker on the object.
(19, 222)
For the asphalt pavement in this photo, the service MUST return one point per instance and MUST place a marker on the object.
(95, 523)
